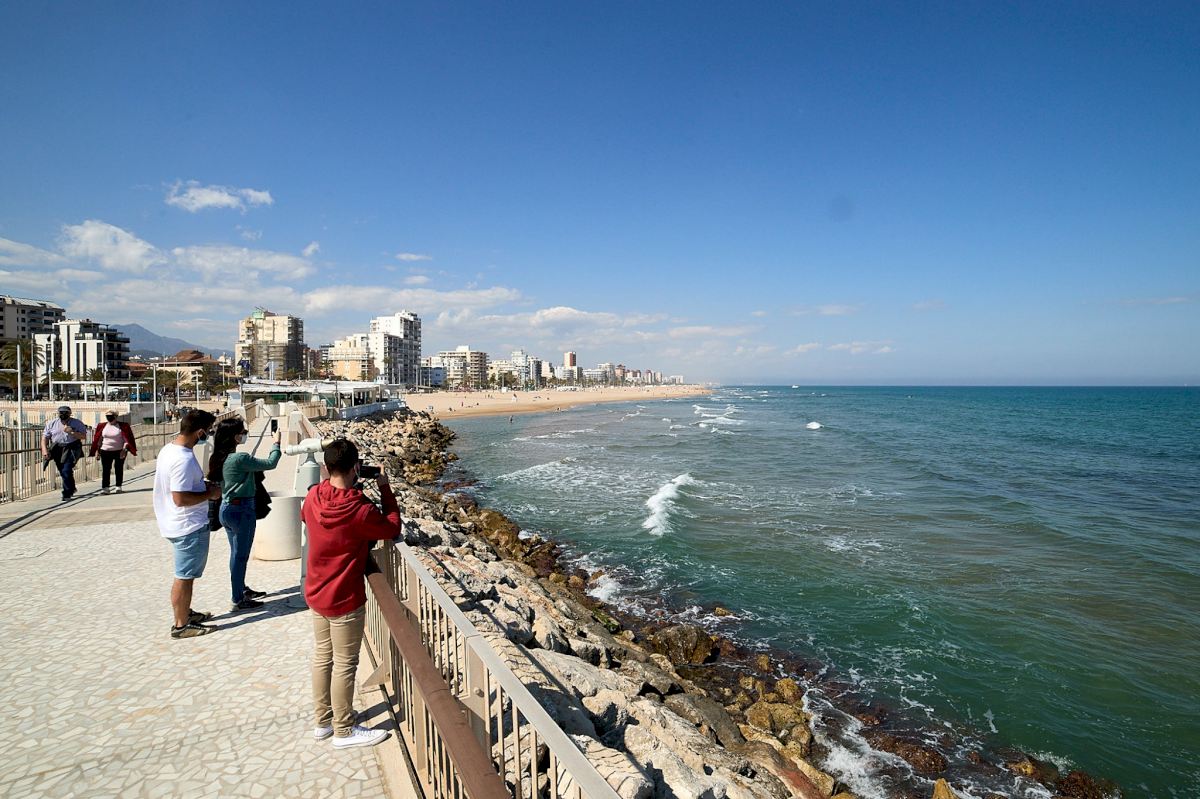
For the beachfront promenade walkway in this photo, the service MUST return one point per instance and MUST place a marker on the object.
(99, 701)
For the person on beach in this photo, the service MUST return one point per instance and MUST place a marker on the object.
(342, 527)
(113, 441)
(236, 473)
(61, 443)
(181, 508)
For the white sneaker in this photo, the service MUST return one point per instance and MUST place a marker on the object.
(106, 491)
(321, 733)
(117, 490)
(360, 736)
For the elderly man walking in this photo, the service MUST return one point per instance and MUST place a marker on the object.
(62, 443)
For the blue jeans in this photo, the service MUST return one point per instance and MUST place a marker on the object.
(64, 456)
(239, 523)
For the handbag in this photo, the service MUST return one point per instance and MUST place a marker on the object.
(214, 515)
(262, 499)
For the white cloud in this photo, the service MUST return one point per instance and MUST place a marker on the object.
(416, 280)
(929, 305)
(708, 331)
(109, 245)
(412, 256)
(15, 253)
(248, 234)
(215, 260)
(380, 299)
(800, 349)
(759, 314)
(312, 249)
(754, 350)
(831, 309)
(193, 197)
(859, 347)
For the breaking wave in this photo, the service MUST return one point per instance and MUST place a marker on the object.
(662, 503)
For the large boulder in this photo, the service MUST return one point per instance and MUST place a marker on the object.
(672, 776)
(706, 714)
(684, 644)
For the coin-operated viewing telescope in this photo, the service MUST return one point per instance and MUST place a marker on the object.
(308, 473)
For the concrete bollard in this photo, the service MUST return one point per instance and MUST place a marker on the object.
(277, 537)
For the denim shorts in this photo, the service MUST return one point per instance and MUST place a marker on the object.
(191, 554)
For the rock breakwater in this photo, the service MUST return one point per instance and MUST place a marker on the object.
(663, 708)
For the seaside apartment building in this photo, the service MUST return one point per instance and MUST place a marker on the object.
(569, 360)
(465, 366)
(78, 346)
(398, 358)
(271, 345)
(23, 319)
(351, 358)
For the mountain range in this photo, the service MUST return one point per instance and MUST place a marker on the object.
(148, 343)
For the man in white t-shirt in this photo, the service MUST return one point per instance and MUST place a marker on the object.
(181, 506)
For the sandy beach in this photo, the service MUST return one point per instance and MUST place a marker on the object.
(449, 405)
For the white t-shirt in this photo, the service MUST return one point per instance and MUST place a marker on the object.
(177, 470)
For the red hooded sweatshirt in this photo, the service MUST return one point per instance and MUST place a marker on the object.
(342, 526)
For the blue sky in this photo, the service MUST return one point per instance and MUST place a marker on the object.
(820, 192)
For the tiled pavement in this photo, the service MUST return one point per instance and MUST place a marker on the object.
(99, 701)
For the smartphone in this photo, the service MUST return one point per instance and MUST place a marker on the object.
(274, 425)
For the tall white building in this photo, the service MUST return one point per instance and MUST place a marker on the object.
(77, 346)
(403, 356)
(465, 366)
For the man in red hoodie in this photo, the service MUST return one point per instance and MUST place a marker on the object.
(343, 525)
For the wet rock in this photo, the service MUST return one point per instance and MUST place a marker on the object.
(1080, 785)
(923, 759)
(763, 663)
(722, 611)
(1035, 769)
(683, 644)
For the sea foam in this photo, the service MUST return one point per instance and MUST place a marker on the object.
(662, 503)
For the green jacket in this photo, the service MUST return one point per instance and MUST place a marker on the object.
(237, 477)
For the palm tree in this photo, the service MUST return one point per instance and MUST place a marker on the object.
(31, 358)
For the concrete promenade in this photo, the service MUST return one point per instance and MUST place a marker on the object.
(99, 701)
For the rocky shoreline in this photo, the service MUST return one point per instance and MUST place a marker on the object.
(668, 708)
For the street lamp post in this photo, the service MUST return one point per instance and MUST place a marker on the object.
(50, 367)
(154, 367)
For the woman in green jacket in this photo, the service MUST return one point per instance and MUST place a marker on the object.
(236, 471)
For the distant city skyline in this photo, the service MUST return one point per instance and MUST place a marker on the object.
(952, 194)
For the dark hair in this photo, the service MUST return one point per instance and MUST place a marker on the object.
(224, 445)
(196, 420)
(340, 456)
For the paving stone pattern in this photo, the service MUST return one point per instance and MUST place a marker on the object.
(98, 700)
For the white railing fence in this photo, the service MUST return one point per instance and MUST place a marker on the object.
(526, 747)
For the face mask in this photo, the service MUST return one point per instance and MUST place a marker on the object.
(241, 439)
(203, 437)
(64, 416)
(111, 418)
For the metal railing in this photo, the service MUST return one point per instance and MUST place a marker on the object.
(21, 473)
(408, 610)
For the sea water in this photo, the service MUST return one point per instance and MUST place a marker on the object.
(1019, 563)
